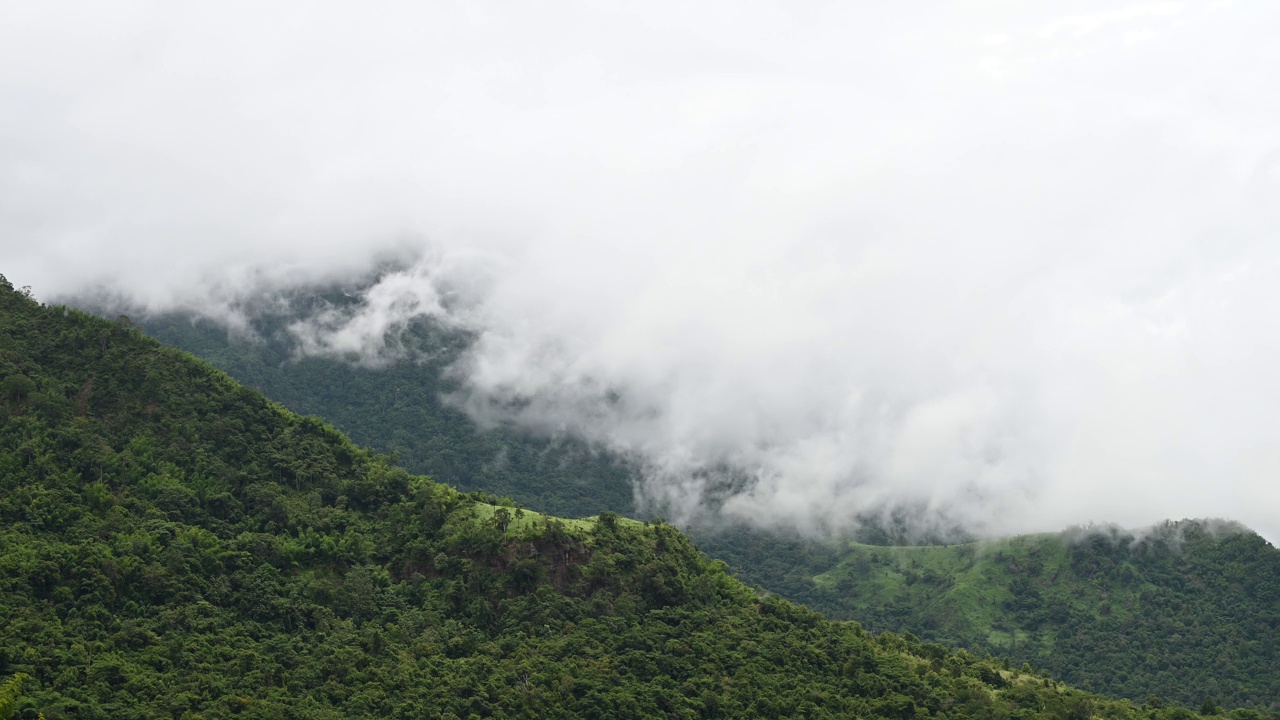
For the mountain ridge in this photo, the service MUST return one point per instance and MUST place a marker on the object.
(430, 437)
(173, 544)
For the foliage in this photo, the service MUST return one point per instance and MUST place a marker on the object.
(174, 545)
(9, 691)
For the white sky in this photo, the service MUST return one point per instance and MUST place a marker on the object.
(1015, 261)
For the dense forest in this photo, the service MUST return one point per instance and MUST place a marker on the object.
(175, 545)
(1155, 622)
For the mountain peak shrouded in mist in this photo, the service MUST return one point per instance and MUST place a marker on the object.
(1006, 268)
(434, 354)
(177, 543)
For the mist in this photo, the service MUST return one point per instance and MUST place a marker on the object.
(1015, 268)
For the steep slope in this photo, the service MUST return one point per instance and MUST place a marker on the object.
(172, 544)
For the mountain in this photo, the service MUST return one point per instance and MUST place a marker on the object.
(1183, 610)
(173, 544)
(1187, 629)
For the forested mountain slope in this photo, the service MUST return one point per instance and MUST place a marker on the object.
(1185, 611)
(1191, 630)
(172, 544)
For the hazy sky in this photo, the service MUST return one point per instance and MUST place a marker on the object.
(1016, 262)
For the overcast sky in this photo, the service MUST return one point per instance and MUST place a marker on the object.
(1015, 262)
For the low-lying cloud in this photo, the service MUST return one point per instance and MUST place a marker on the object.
(1015, 267)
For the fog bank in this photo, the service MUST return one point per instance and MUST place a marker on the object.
(1015, 267)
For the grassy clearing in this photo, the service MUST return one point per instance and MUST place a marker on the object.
(523, 520)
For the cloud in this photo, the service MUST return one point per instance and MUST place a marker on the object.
(1014, 266)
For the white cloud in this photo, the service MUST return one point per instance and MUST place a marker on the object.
(1007, 262)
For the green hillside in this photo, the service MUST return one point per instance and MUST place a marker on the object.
(1184, 611)
(174, 545)
(966, 595)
